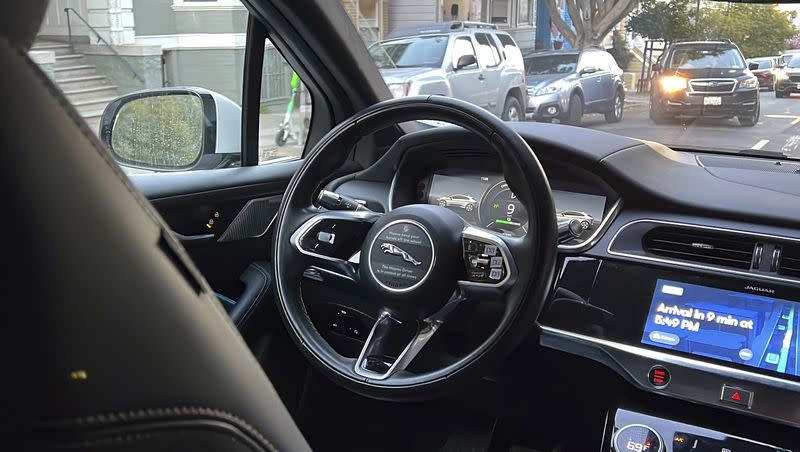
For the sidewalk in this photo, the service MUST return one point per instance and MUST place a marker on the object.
(636, 101)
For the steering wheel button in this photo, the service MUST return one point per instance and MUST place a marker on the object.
(496, 274)
(497, 262)
(490, 250)
(326, 237)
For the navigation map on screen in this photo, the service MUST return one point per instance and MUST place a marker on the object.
(742, 328)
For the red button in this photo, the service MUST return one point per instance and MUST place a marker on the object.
(658, 376)
(735, 395)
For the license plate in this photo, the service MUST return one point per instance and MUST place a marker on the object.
(712, 100)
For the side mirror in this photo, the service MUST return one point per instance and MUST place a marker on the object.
(173, 129)
(465, 60)
(588, 70)
(656, 67)
(780, 66)
(752, 66)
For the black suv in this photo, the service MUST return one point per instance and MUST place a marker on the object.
(704, 79)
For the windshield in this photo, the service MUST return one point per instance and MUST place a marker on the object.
(706, 58)
(425, 51)
(677, 69)
(555, 64)
(762, 64)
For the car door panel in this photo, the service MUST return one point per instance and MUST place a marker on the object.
(222, 217)
(467, 83)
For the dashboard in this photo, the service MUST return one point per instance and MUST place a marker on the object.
(683, 279)
(484, 199)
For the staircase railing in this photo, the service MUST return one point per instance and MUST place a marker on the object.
(99, 39)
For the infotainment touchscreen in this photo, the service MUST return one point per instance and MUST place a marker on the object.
(748, 329)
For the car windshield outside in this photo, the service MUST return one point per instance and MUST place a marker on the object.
(763, 63)
(426, 51)
(552, 64)
(679, 68)
(672, 72)
(706, 58)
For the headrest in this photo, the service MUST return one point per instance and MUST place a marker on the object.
(21, 20)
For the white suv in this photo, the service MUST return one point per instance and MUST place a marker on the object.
(471, 61)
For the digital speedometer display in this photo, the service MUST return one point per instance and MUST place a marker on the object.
(484, 199)
(500, 209)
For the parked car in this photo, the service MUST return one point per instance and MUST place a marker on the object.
(764, 70)
(586, 220)
(704, 79)
(565, 84)
(786, 58)
(787, 79)
(465, 202)
(471, 61)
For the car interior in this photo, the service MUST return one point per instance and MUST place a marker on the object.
(399, 287)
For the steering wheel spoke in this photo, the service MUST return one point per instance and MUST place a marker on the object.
(392, 345)
(330, 241)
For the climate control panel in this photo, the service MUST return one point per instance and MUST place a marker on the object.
(638, 432)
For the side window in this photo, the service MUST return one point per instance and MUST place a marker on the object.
(170, 98)
(589, 59)
(463, 47)
(285, 113)
(487, 50)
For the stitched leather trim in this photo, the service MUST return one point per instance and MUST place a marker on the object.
(265, 283)
(128, 418)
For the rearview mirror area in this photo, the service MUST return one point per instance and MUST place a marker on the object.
(172, 129)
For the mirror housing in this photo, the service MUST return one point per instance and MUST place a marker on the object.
(173, 129)
(588, 70)
(752, 66)
(464, 61)
(656, 67)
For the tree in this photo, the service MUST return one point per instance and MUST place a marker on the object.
(669, 21)
(758, 30)
(593, 19)
(619, 50)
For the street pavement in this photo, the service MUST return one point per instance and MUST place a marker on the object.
(778, 130)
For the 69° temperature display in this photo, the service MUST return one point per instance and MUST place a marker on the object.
(637, 438)
(501, 210)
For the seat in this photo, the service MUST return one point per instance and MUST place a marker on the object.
(119, 342)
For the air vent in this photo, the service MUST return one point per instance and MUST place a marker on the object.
(790, 261)
(707, 247)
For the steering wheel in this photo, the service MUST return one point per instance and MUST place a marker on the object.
(417, 262)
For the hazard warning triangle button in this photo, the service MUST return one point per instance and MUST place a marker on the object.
(736, 396)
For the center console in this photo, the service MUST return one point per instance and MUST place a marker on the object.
(634, 431)
(719, 341)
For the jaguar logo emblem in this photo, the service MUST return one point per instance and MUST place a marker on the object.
(395, 250)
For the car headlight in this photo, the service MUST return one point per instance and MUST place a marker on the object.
(399, 89)
(551, 88)
(672, 83)
(750, 83)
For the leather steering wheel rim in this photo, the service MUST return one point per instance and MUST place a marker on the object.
(534, 254)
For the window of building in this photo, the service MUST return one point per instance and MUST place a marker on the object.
(500, 12)
(524, 12)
